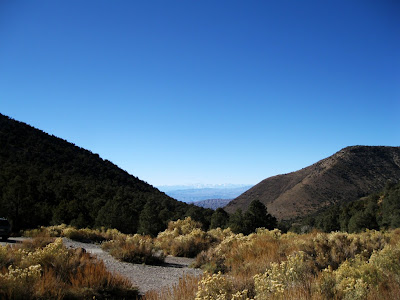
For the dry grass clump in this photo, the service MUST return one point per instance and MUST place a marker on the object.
(82, 235)
(184, 238)
(54, 272)
(135, 249)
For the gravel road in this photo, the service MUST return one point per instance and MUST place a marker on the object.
(12, 241)
(145, 277)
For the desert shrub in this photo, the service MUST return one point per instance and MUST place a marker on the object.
(54, 272)
(357, 277)
(271, 265)
(282, 276)
(49, 231)
(83, 234)
(246, 255)
(334, 248)
(184, 238)
(220, 234)
(135, 249)
(213, 260)
(218, 287)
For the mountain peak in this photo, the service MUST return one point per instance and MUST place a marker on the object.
(350, 173)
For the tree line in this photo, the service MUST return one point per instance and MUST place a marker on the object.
(45, 180)
(377, 211)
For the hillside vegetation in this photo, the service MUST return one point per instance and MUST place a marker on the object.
(376, 211)
(268, 264)
(45, 180)
(272, 265)
(349, 174)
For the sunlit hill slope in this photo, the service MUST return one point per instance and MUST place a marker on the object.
(349, 174)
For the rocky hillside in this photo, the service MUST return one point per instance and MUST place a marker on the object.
(349, 174)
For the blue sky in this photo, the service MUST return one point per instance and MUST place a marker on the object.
(179, 92)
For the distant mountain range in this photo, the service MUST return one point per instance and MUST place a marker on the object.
(212, 203)
(194, 193)
(349, 174)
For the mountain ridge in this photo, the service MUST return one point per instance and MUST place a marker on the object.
(47, 180)
(347, 175)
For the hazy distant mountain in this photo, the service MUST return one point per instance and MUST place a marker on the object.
(197, 186)
(212, 203)
(349, 174)
(204, 192)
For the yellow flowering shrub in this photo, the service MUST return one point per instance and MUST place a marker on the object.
(274, 233)
(218, 287)
(331, 249)
(184, 238)
(214, 287)
(83, 234)
(220, 234)
(282, 276)
(134, 249)
(246, 255)
(54, 272)
(356, 277)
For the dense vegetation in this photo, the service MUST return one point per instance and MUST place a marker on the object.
(45, 269)
(264, 265)
(45, 180)
(269, 264)
(377, 211)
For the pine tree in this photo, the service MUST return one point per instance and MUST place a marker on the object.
(219, 218)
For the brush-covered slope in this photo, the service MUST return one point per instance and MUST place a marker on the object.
(349, 174)
(46, 180)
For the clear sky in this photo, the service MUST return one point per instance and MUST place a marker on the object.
(179, 92)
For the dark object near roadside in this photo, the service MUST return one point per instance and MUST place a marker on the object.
(5, 229)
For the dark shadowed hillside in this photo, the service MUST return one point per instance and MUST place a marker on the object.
(349, 174)
(46, 180)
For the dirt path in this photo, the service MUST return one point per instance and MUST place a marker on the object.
(145, 277)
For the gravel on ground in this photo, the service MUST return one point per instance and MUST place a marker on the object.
(145, 277)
